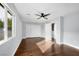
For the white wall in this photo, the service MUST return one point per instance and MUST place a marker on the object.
(33, 30)
(71, 29)
(48, 31)
(42, 30)
(58, 30)
(9, 48)
(66, 29)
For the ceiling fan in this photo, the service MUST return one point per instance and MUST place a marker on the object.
(42, 15)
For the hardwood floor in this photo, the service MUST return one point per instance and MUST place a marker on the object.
(37, 46)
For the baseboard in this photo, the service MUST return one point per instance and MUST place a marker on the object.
(31, 37)
(71, 45)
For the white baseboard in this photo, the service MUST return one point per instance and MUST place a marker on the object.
(30, 36)
(71, 45)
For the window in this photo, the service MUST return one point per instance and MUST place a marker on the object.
(7, 23)
(1, 22)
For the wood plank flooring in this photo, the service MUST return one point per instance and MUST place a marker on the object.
(37, 46)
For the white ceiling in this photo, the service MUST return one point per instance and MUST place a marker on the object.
(56, 10)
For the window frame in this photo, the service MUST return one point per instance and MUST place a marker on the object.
(6, 38)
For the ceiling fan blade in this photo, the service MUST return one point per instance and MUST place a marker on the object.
(37, 14)
(46, 15)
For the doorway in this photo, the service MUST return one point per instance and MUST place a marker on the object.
(52, 30)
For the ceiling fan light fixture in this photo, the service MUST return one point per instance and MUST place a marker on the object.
(42, 15)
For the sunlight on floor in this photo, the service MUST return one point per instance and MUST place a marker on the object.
(44, 45)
